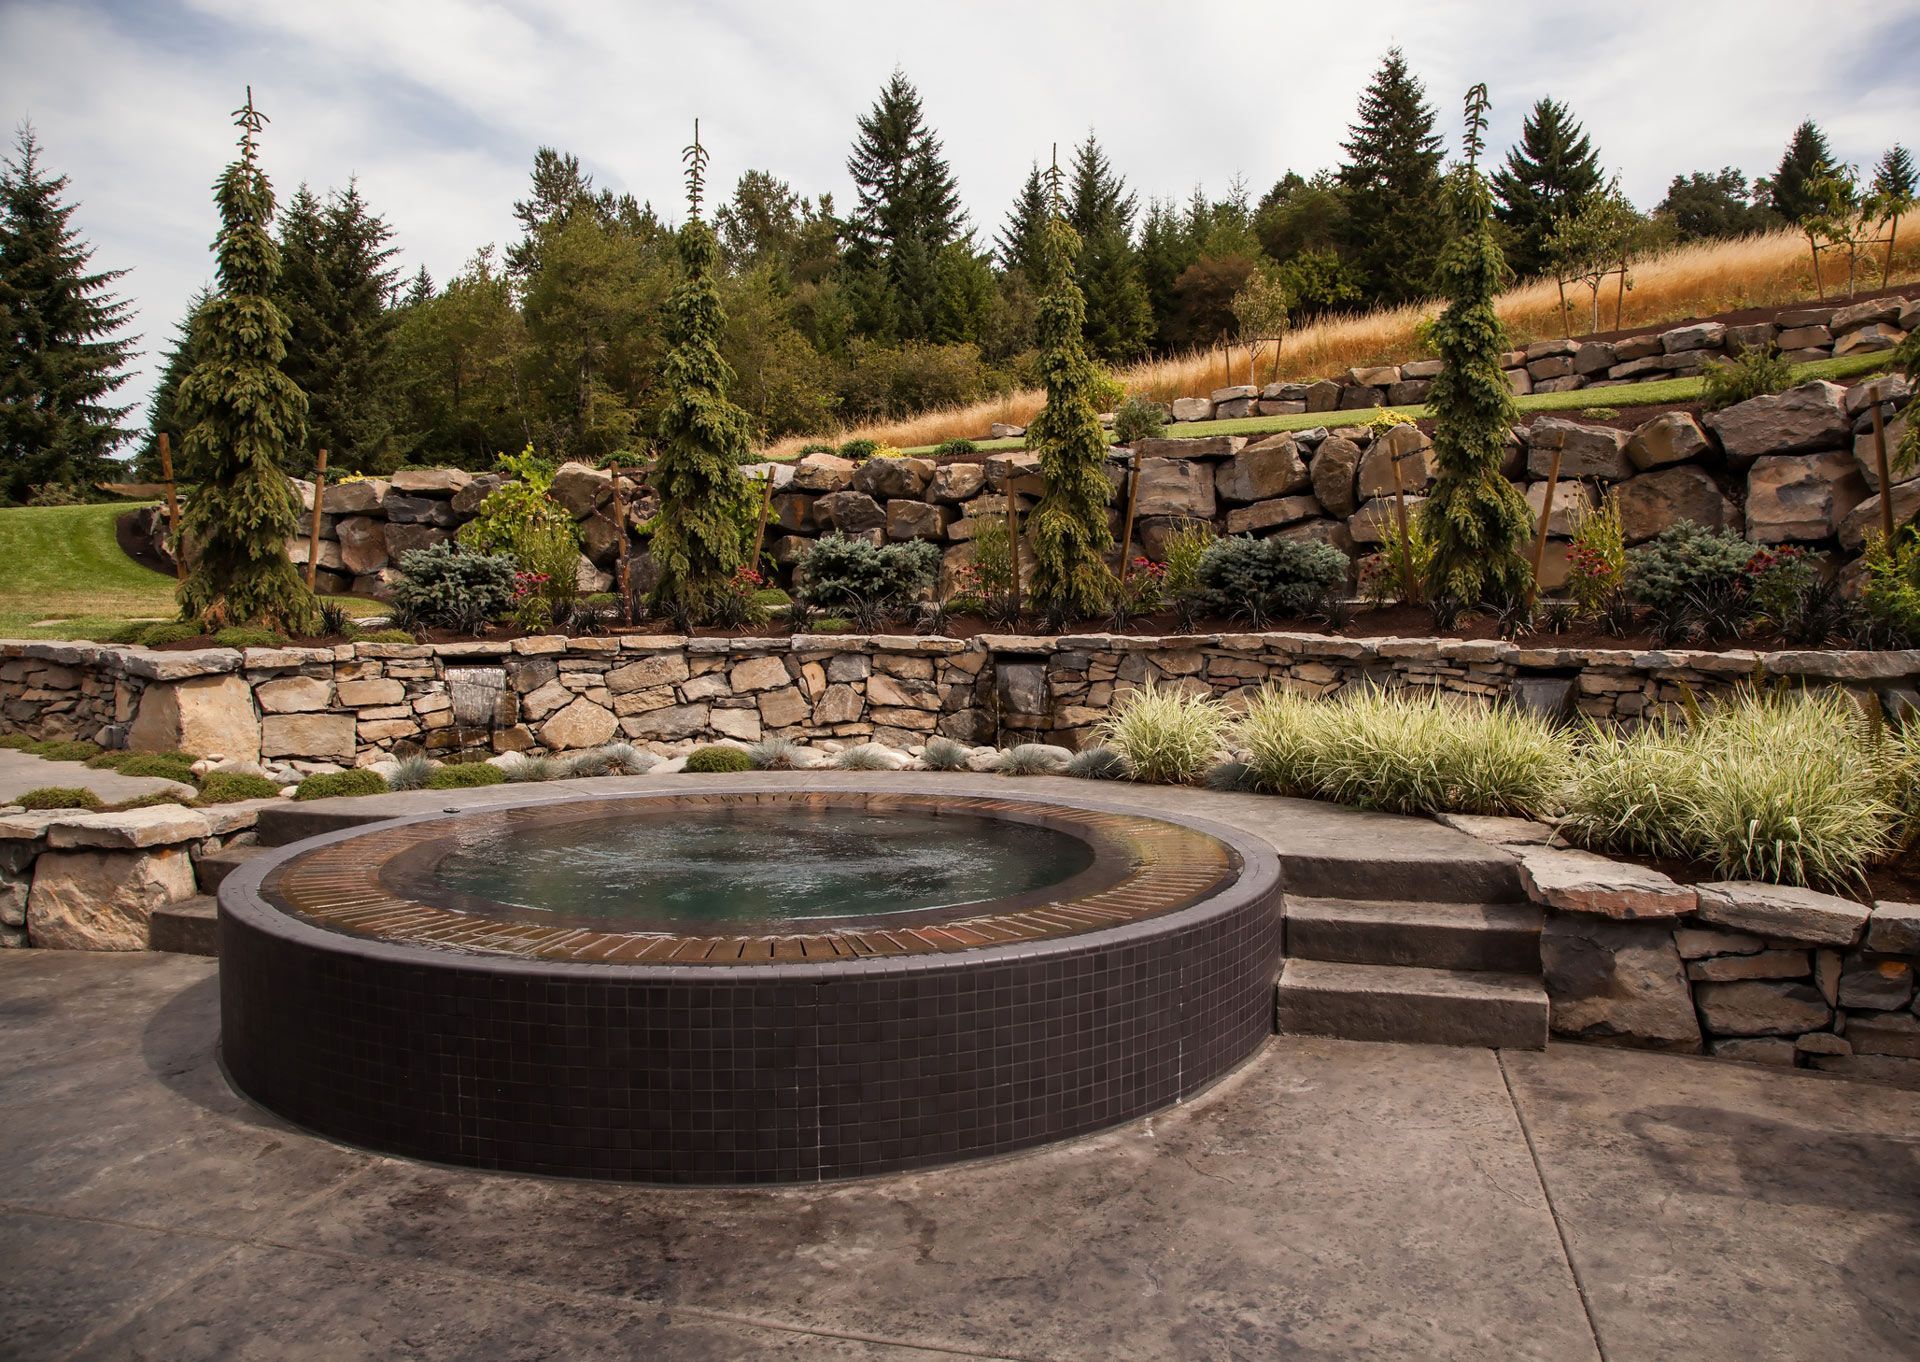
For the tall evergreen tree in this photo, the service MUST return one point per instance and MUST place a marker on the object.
(1167, 249)
(561, 191)
(63, 360)
(1396, 214)
(1019, 247)
(336, 283)
(163, 412)
(1550, 173)
(1099, 208)
(1806, 159)
(240, 414)
(1070, 532)
(908, 209)
(700, 534)
(1709, 206)
(1894, 176)
(1475, 520)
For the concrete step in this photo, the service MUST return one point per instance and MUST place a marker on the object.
(1419, 1006)
(215, 866)
(1470, 936)
(185, 928)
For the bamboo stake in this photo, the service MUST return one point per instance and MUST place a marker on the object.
(313, 538)
(760, 534)
(1540, 536)
(173, 510)
(1886, 478)
(622, 573)
(1400, 520)
(1126, 532)
(1013, 540)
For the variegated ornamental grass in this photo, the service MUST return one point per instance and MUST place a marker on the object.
(1166, 737)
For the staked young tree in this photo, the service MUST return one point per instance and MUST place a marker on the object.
(1550, 174)
(240, 415)
(908, 208)
(1397, 221)
(1806, 159)
(700, 535)
(1071, 536)
(1475, 520)
(59, 324)
(1894, 183)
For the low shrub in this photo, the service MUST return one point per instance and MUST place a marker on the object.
(944, 754)
(411, 773)
(158, 765)
(948, 449)
(243, 636)
(444, 586)
(114, 758)
(63, 749)
(1597, 557)
(1686, 563)
(1752, 373)
(1265, 579)
(228, 787)
(466, 776)
(59, 797)
(1139, 418)
(1030, 759)
(1166, 737)
(1097, 763)
(859, 449)
(1890, 590)
(17, 742)
(341, 784)
(816, 447)
(845, 572)
(166, 631)
(717, 760)
(383, 636)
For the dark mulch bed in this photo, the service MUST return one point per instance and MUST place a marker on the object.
(1746, 316)
(137, 546)
(1894, 882)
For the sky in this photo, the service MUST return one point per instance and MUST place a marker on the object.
(437, 106)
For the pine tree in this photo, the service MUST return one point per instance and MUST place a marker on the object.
(163, 414)
(1475, 520)
(62, 360)
(1806, 159)
(1551, 173)
(908, 209)
(1894, 175)
(700, 534)
(240, 414)
(1167, 249)
(336, 280)
(1119, 317)
(1070, 532)
(1396, 214)
(1019, 247)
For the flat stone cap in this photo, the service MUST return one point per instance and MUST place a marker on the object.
(1783, 912)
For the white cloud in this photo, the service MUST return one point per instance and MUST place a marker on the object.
(438, 105)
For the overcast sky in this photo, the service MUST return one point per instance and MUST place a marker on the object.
(437, 105)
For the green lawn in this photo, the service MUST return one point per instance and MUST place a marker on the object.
(62, 563)
(1632, 395)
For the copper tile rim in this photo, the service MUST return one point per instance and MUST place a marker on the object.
(1146, 868)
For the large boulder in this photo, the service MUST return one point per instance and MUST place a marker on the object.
(1869, 462)
(1570, 501)
(1413, 451)
(99, 900)
(1334, 466)
(363, 543)
(401, 510)
(1175, 487)
(404, 539)
(907, 519)
(1801, 496)
(1654, 501)
(467, 500)
(430, 482)
(1756, 1007)
(1192, 408)
(1619, 982)
(1865, 517)
(1271, 468)
(1585, 451)
(582, 490)
(354, 498)
(1699, 336)
(823, 473)
(849, 512)
(205, 715)
(1809, 417)
(579, 724)
(1670, 437)
(886, 479)
(1265, 515)
(311, 737)
(957, 482)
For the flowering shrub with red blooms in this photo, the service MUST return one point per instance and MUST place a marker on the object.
(1777, 577)
(527, 584)
(1143, 592)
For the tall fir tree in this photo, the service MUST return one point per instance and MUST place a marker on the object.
(1806, 159)
(1397, 220)
(1071, 536)
(59, 323)
(908, 208)
(1550, 174)
(240, 414)
(1475, 520)
(1099, 208)
(1167, 250)
(700, 535)
(337, 281)
(163, 409)
(1895, 176)
(1019, 247)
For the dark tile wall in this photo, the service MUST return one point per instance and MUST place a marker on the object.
(756, 1074)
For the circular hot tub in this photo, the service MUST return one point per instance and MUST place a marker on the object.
(751, 984)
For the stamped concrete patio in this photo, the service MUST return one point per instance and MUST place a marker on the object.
(1330, 1200)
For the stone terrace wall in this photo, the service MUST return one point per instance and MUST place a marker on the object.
(320, 708)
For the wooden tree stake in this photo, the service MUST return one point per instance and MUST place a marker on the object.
(1400, 520)
(760, 532)
(1013, 540)
(1886, 478)
(622, 573)
(1126, 533)
(313, 539)
(173, 510)
(1540, 536)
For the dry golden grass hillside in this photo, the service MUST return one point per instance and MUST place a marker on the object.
(1697, 280)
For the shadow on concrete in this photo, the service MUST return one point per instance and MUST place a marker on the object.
(181, 1047)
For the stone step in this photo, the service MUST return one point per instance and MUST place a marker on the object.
(215, 866)
(1469, 936)
(1417, 1006)
(185, 928)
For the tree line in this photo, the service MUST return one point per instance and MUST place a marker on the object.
(896, 305)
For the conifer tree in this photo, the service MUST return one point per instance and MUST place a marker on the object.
(1475, 520)
(163, 415)
(1894, 183)
(1019, 247)
(62, 361)
(1550, 174)
(700, 534)
(1119, 318)
(240, 414)
(1806, 159)
(1070, 532)
(907, 210)
(1396, 211)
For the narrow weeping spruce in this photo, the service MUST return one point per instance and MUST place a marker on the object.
(701, 535)
(239, 415)
(1071, 536)
(1477, 523)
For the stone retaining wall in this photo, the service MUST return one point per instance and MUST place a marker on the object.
(323, 708)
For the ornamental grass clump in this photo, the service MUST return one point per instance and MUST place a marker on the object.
(533, 770)
(774, 754)
(1277, 730)
(944, 754)
(1030, 759)
(614, 759)
(866, 757)
(411, 773)
(1166, 737)
(1097, 763)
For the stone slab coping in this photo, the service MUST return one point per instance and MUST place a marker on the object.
(146, 663)
(155, 825)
